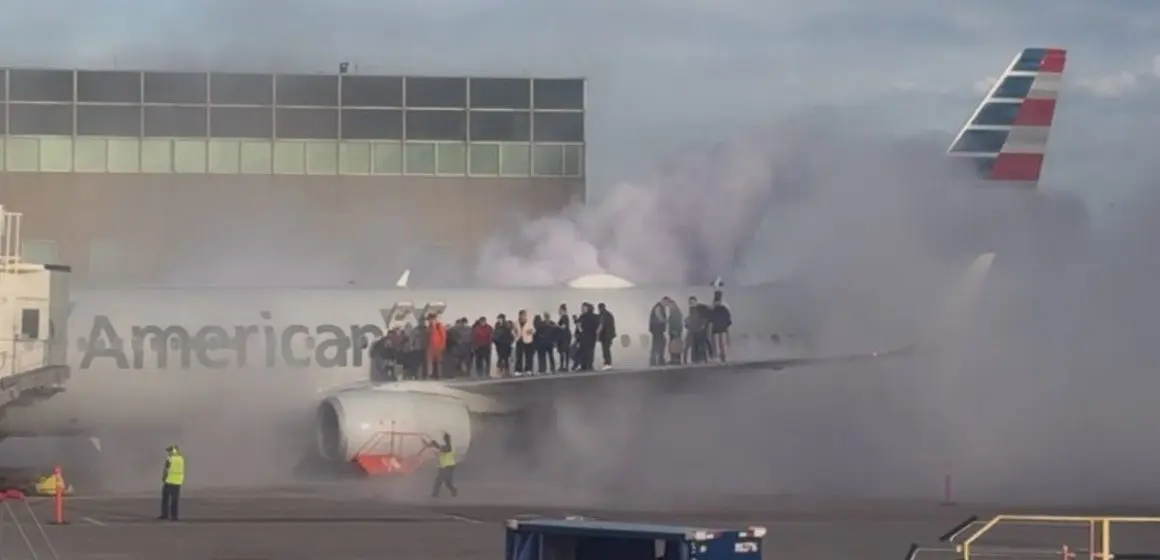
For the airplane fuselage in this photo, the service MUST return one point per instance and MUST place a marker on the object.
(147, 353)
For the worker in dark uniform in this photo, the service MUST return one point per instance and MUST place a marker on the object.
(446, 474)
(587, 325)
(720, 318)
(607, 334)
(698, 342)
(658, 327)
(676, 331)
(544, 343)
(172, 479)
(564, 338)
(503, 336)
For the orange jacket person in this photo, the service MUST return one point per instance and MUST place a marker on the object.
(437, 344)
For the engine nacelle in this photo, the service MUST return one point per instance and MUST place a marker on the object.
(351, 420)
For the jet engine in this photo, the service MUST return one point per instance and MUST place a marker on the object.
(374, 421)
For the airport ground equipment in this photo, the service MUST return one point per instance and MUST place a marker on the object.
(1066, 537)
(587, 539)
(34, 307)
(392, 452)
(31, 544)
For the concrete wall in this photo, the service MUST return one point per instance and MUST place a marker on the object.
(156, 227)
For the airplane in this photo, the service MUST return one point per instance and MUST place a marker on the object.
(1006, 136)
(133, 350)
(1005, 142)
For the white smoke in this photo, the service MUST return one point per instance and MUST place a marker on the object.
(699, 215)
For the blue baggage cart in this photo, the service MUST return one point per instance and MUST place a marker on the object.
(586, 539)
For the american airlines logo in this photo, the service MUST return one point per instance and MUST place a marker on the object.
(215, 347)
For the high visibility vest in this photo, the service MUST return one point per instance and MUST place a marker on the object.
(47, 486)
(446, 459)
(176, 474)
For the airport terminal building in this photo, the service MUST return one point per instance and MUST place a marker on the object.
(125, 171)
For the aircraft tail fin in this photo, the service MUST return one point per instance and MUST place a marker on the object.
(404, 279)
(1006, 137)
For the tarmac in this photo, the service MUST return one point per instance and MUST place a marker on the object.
(334, 523)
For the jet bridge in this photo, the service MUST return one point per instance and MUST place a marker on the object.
(34, 301)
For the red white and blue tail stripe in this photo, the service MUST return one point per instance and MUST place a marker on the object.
(1006, 137)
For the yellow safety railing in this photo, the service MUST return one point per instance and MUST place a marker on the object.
(1097, 525)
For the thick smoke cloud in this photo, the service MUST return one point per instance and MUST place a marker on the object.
(1045, 395)
(1048, 395)
(701, 213)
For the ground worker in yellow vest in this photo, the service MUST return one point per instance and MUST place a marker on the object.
(172, 479)
(446, 457)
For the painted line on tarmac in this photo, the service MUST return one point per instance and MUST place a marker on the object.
(466, 519)
(108, 498)
(94, 522)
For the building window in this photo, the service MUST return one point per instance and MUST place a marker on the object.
(484, 159)
(289, 158)
(124, 155)
(388, 158)
(257, 157)
(573, 160)
(156, 156)
(452, 159)
(354, 158)
(189, 156)
(90, 155)
(56, 154)
(419, 158)
(23, 154)
(515, 160)
(321, 158)
(30, 324)
(225, 156)
(548, 160)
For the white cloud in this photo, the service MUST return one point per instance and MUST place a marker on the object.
(1111, 85)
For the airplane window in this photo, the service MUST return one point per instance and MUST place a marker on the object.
(645, 340)
(775, 338)
(625, 340)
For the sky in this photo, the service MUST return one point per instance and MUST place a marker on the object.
(667, 74)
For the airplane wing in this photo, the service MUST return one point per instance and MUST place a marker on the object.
(356, 423)
(500, 395)
(501, 386)
(954, 313)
